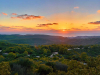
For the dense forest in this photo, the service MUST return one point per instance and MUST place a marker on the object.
(63, 59)
(48, 40)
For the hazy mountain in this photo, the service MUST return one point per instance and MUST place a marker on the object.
(47, 39)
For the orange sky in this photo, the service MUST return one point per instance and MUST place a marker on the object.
(49, 19)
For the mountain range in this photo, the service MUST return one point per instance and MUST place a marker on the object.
(48, 39)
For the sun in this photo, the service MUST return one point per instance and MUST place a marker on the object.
(64, 30)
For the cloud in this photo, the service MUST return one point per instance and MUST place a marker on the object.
(13, 17)
(97, 22)
(46, 25)
(75, 29)
(4, 13)
(98, 11)
(27, 17)
(55, 23)
(83, 24)
(14, 14)
(4, 27)
(76, 7)
(71, 24)
(15, 28)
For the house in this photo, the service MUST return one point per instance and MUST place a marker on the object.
(38, 56)
(0, 50)
(69, 49)
(54, 53)
(5, 53)
(76, 48)
(28, 55)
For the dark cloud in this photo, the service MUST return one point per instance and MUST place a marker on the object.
(55, 23)
(46, 25)
(27, 17)
(97, 22)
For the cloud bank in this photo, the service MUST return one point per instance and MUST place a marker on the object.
(97, 22)
(46, 25)
(27, 17)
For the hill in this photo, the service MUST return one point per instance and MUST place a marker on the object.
(47, 39)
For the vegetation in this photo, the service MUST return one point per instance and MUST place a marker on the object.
(24, 59)
(48, 40)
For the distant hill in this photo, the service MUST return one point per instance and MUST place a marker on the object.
(47, 39)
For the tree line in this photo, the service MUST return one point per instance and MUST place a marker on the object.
(24, 59)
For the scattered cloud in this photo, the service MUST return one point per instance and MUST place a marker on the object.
(55, 23)
(27, 17)
(14, 14)
(83, 24)
(4, 13)
(98, 27)
(17, 26)
(97, 22)
(4, 27)
(46, 25)
(21, 28)
(76, 7)
(98, 11)
(72, 11)
(13, 17)
(75, 29)
(71, 24)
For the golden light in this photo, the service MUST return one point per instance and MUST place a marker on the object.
(64, 30)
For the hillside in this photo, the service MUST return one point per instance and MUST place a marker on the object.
(22, 59)
(47, 39)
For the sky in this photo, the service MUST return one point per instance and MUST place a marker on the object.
(67, 18)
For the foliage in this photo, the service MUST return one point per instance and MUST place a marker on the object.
(4, 68)
(44, 70)
(1, 58)
(35, 60)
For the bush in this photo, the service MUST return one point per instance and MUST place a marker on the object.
(5, 68)
(44, 70)
(61, 67)
(18, 69)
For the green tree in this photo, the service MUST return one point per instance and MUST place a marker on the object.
(11, 55)
(1, 58)
(25, 53)
(5, 68)
(84, 56)
(44, 69)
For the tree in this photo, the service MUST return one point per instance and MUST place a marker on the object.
(5, 68)
(1, 58)
(27, 63)
(25, 53)
(11, 55)
(84, 56)
(44, 69)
